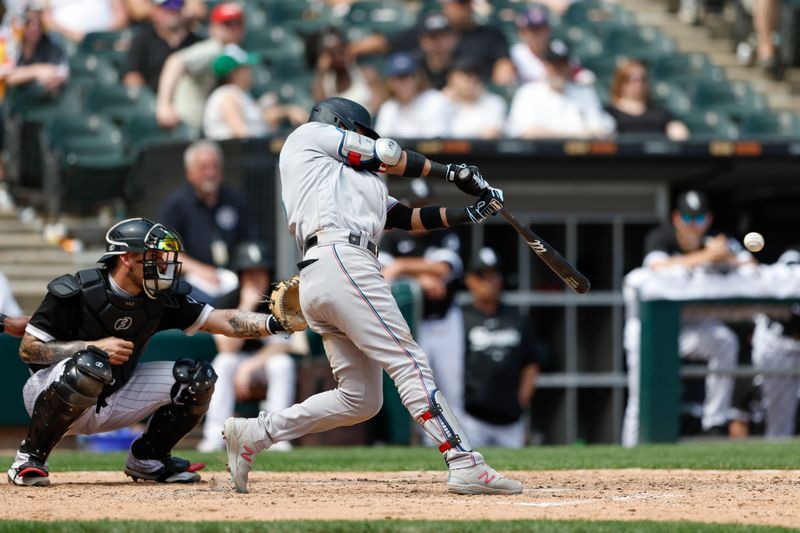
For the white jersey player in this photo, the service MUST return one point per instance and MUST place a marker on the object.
(337, 206)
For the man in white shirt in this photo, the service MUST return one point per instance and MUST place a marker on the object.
(474, 112)
(556, 107)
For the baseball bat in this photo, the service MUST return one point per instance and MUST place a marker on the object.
(562, 268)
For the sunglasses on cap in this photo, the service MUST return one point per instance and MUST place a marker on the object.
(698, 220)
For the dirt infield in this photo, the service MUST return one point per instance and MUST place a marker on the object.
(744, 497)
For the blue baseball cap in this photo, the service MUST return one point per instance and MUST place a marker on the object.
(174, 5)
(400, 64)
(534, 17)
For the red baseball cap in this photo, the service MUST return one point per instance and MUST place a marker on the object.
(227, 11)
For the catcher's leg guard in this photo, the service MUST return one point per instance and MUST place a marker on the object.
(65, 400)
(191, 394)
(443, 427)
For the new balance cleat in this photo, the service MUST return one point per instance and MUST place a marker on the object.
(481, 479)
(242, 449)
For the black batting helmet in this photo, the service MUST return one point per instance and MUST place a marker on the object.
(343, 113)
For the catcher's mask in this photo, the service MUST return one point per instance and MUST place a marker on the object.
(160, 248)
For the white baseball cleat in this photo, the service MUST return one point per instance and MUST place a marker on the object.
(241, 451)
(481, 479)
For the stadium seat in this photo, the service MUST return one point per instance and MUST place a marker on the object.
(683, 68)
(590, 11)
(671, 97)
(710, 124)
(120, 103)
(641, 42)
(582, 42)
(276, 44)
(141, 131)
(84, 162)
(380, 16)
(113, 45)
(603, 68)
(91, 69)
(777, 125)
(734, 98)
(303, 16)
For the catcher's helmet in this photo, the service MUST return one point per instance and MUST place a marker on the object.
(251, 254)
(343, 113)
(159, 246)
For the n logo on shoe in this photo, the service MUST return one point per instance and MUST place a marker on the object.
(485, 476)
(248, 455)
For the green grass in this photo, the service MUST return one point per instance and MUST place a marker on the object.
(717, 456)
(380, 526)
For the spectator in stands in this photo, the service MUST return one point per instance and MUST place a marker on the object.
(631, 107)
(12, 321)
(40, 60)
(556, 107)
(474, 111)
(166, 32)
(187, 77)
(74, 19)
(690, 245)
(336, 72)
(140, 11)
(765, 22)
(231, 112)
(210, 216)
(500, 360)
(411, 111)
(436, 49)
(244, 366)
(483, 43)
(533, 28)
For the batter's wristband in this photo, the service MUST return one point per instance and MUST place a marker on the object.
(272, 325)
(438, 170)
(456, 216)
(431, 217)
(415, 164)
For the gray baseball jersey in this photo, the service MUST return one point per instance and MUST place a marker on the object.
(344, 296)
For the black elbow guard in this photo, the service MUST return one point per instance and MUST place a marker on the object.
(399, 216)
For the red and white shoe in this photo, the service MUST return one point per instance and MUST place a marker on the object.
(27, 471)
(242, 446)
(481, 479)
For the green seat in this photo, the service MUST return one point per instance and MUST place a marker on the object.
(588, 11)
(32, 103)
(142, 131)
(381, 16)
(640, 42)
(304, 16)
(710, 124)
(784, 124)
(85, 163)
(684, 68)
(92, 69)
(12, 379)
(120, 103)
(582, 42)
(603, 68)
(734, 98)
(671, 97)
(113, 45)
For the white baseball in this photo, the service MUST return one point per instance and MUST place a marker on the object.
(753, 241)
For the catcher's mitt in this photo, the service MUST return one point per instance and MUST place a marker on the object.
(284, 304)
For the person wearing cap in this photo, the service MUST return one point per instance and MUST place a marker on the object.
(533, 28)
(500, 359)
(166, 32)
(231, 111)
(557, 107)
(73, 20)
(473, 112)
(411, 110)
(244, 366)
(187, 77)
(436, 46)
(484, 43)
(690, 245)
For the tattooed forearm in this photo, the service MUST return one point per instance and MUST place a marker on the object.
(32, 350)
(247, 324)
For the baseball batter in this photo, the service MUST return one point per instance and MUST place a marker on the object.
(337, 206)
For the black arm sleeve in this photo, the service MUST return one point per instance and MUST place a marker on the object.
(399, 216)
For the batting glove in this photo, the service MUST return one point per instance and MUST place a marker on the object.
(467, 178)
(489, 204)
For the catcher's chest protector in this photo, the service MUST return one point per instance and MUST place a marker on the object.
(107, 315)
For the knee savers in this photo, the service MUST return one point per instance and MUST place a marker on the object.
(66, 399)
(194, 384)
